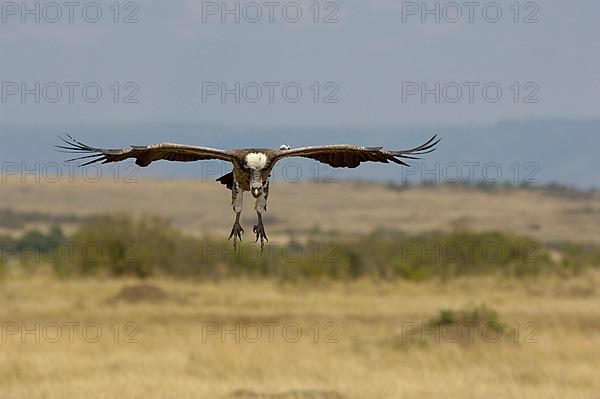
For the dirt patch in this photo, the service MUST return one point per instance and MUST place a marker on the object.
(140, 293)
(308, 394)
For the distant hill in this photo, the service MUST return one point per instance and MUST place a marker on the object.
(564, 151)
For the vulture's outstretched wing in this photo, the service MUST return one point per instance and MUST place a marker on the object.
(144, 155)
(350, 156)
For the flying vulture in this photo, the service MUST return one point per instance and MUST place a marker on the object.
(251, 167)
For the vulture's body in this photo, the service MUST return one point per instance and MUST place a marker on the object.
(251, 167)
(254, 159)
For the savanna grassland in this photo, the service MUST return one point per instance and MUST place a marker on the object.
(177, 345)
(378, 323)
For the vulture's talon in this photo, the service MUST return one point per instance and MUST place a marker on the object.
(259, 230)
(236, 233)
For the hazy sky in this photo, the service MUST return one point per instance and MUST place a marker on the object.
(370, 66)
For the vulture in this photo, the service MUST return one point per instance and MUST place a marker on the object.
(251, 167)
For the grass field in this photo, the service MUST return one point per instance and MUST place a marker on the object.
(183, 339)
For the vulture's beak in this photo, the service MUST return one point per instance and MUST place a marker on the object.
(256, 192)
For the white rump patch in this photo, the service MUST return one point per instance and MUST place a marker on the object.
(256, 160)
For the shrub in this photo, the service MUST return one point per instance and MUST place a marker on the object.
(119, 245)
(469, 314)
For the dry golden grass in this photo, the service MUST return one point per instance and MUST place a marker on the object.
(356, 208)
(172, 360)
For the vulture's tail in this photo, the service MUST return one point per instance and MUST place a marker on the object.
(227, 180)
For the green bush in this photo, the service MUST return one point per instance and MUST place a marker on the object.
(446, 255)
(470, 324)
(469, 314)
(150, 246)
(119, 246)
(32, 248)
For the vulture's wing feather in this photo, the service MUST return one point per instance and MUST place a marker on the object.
(350, 156)
(144, 155)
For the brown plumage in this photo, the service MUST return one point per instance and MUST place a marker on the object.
(339, 156)
(251, 167)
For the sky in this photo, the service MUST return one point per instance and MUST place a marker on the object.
(298, 64)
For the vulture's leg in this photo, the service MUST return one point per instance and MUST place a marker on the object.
(237, 196)
(261, 207)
